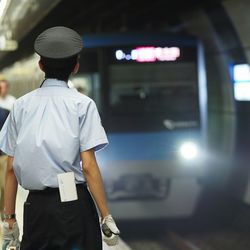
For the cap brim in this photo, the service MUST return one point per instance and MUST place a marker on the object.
(58, 42)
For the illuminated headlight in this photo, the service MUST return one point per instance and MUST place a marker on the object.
(189, 150)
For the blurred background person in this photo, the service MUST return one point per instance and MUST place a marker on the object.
(3, 158)
(4, 112)
(6, 100)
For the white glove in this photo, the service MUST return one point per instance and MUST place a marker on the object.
(110, 232)
(11, 236)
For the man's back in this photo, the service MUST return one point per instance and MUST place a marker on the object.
(51, 130)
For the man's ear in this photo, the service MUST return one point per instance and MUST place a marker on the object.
(41, 65)
(76, 68)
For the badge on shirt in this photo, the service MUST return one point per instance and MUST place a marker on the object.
(67, 187)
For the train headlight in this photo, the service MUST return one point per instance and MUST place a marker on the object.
(189, 150)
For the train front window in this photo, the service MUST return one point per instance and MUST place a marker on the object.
(145, 96)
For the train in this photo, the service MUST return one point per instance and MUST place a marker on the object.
(150, 89)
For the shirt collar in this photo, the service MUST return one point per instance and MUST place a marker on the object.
(51, 82)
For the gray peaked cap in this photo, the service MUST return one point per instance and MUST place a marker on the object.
(58, 42)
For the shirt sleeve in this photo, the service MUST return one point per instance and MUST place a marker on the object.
(92, 133)
(8, 135)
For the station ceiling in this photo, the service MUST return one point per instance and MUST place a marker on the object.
(93, 16)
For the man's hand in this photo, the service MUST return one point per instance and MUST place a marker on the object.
(10, 234)
(110, 231)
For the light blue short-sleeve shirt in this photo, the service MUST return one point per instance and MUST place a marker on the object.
(45, 132)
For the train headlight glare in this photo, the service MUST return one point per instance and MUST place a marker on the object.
(189, 150)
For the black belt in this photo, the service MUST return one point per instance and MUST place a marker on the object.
(56, 189)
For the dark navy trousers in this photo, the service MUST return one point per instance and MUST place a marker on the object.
(50, 224)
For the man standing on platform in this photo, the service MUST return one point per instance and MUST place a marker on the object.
(47, 135)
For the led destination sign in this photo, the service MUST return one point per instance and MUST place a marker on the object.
(149, 54)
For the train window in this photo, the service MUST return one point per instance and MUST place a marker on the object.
(151, 93)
